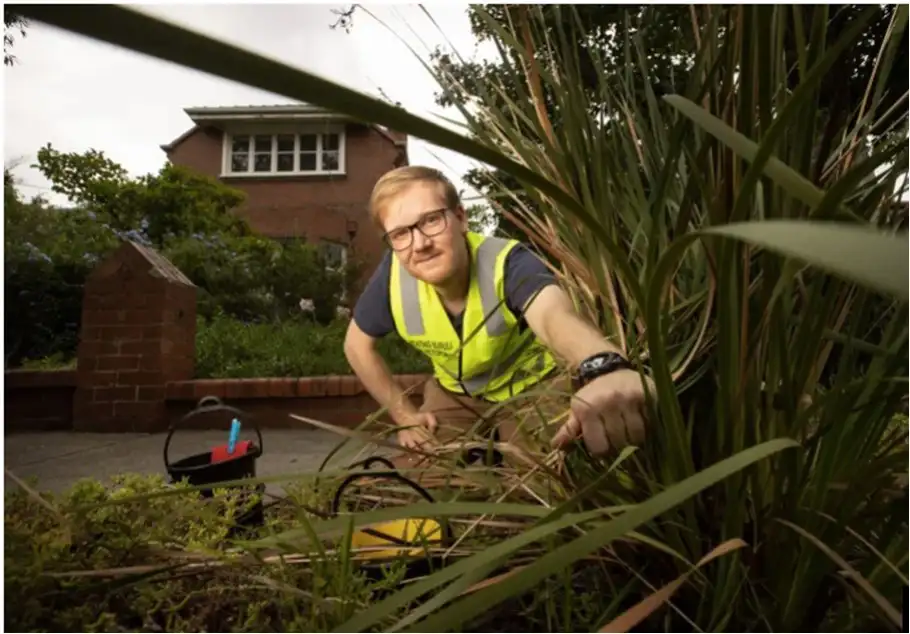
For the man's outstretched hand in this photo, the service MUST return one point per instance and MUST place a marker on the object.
(609, 412)
(417, 431)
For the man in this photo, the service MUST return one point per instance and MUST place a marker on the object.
(491, 318)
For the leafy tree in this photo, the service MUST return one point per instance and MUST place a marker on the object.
(12, 22)
(48, 252)
(188, 217)
(155, 208)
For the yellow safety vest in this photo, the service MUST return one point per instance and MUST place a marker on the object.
(492, 360)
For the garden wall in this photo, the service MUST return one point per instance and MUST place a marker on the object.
(39, 400)
(135, 365)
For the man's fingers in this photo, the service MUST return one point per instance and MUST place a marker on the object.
(567, 433)
(431, 422)
(595, 433)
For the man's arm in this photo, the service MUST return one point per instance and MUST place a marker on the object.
(552, 317)
(371, 369)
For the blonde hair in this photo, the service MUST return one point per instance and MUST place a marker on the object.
(393, 183)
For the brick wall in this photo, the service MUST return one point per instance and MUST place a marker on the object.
(43, 400)
(338, 400)
(138, 333)
(38, 400)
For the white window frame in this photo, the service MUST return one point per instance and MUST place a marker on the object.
(320, 132)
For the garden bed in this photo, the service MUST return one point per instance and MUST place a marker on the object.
(231, 349)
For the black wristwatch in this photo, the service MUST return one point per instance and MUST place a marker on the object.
(599, 365)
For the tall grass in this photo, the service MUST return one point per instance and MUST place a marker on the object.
(747, 249)
(745, 346)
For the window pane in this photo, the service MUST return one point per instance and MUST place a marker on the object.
(308, 142)
(330, 141)
(330, 161)
(263, 163)
(333, 254)
(240, 162)
(286, 162)
(285, 143)
(263, 143)
(240, 144)
(307, 161)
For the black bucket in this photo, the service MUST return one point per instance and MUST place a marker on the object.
(199, 470)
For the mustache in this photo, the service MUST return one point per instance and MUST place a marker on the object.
(423, 256)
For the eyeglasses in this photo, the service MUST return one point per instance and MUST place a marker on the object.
(430, 224)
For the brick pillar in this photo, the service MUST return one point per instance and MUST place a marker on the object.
(138, 333)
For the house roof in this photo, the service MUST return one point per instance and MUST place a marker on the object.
(214, 115)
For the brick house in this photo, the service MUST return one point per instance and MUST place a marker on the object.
(305, 171)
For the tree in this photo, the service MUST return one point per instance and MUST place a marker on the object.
(12, 22)
(481, 218)
(190, 218)
(156, 208)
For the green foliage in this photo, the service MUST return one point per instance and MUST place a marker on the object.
(67, 565)
(664, 36)
(228, 348)
(156, 209)
(48, 253)
(740, 341)
(258, 279)
(56, 361)
(188, 217)
(12, 22)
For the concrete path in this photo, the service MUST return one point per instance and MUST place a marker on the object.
(59, 459)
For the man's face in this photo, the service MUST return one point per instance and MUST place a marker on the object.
(433, 250)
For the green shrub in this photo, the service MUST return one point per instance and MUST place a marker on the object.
(253, 278)
(228, 348)
(67, 565)
(50, 252)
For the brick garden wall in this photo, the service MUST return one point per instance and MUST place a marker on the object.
(43, 401)
(38, 401)
(338, 400)
(135, 366)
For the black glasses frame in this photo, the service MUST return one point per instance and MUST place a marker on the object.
(420, 226)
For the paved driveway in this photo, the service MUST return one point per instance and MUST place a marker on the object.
(59, 459)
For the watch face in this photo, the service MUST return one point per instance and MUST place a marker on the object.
(597, 362)
(601, 364)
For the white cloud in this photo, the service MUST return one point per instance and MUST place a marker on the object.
(78, 94)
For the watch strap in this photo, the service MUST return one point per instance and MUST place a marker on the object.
(598, 365)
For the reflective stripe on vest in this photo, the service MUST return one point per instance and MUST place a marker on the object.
(493, 309)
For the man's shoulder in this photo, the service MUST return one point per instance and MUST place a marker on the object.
(373, 312)
(521, 253)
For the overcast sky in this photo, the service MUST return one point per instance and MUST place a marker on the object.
(79, 94)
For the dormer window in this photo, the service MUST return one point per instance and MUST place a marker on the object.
(293, 153)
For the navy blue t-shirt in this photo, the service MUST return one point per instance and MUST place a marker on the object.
(525, 276)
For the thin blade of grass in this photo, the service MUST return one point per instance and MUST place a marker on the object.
(647, 606)
(889, 610)
(790, 180)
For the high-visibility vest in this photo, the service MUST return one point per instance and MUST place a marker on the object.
(491, 359)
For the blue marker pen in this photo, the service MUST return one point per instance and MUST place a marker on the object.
(235, 433)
